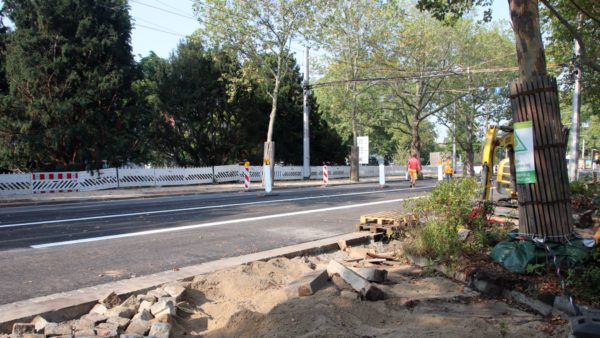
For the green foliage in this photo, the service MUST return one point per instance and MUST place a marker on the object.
(69, 68)
(434, 239)
(584, 280)
(448, 208)
(450, 201)
(536, 269)
(559, 49)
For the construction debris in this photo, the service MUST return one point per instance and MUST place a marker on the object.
(307, 285)
(362, 286)
(388, 222)
(372, 275)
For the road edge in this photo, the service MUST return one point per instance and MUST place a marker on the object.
(72, 304)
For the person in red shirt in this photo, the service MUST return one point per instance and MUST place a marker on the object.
(414, 167)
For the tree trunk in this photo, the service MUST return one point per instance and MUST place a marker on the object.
(415, 141)
(528, 37)
(544, 206)
(269, 152)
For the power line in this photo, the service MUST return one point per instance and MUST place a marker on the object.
(165, 10)
(431, 74)
(157, 25)
(160, 30)
(172, 7)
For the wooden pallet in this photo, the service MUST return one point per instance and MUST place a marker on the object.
(386, 221)
(388, 218)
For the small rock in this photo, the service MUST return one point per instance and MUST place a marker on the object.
(163, 307)
(64, 336)
(99, 309)
(176, 291)
(22, 328)
(54, 329)
(138, 327)
(94, 318)
(111, 300)
(130, 336)
(84, 333)
(146, 305)
(463, 234)
(84, 325)
(40, 323)
(143, 314)
(158, 293)
(148, 298)
(120, 321)
(348, 294)
(163, 318)
(160, 330)
(122, 311)
(109, 330)
(33, 335)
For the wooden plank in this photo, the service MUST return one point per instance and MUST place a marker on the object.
(358, 283)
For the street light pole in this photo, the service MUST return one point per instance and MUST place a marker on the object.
(306, 123)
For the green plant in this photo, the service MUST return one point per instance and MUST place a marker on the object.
(584, 280)
(435, 239)
(503, 328)
(535, 269)
(578, 187)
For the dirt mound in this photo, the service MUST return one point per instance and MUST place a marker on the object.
(250, 301)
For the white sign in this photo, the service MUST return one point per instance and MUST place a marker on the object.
(524, 157)
(363, 149)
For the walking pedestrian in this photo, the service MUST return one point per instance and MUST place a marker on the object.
(414, 167)
(448, 170)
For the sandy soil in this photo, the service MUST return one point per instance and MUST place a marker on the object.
(250, 301)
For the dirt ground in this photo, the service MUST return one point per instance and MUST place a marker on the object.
(250, 301)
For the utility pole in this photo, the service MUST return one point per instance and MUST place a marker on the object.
(454, 139)
(306, 114)
(578, 74)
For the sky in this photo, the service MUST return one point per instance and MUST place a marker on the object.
(159, 25)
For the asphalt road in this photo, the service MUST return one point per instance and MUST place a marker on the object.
(49, 248)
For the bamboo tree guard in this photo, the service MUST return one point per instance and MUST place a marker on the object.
(545, 206)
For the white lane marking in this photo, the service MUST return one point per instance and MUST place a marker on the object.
(146, 213)
(211, 224)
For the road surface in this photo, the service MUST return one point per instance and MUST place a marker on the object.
(50, 248)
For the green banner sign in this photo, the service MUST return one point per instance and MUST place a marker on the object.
(524, 158)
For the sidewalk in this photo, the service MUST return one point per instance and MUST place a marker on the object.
(127, 193)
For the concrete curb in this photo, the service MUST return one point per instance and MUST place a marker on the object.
(72, 304)
(560, 305)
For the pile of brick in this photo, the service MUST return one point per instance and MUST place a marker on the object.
(145, 315)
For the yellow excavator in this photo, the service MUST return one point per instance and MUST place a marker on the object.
(498, 137)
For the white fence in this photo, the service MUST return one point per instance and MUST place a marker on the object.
(40, 183)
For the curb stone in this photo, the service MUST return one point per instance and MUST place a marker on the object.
(560, 306)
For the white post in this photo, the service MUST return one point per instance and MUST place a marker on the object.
(440, 173)
(267, 176)
(574, 158)
(381, 175)
(306, 124)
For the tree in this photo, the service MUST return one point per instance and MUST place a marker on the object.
(541, 213)
(253, 30)
(69, 67)
(326, 144)
(204, 111)
(350, 32)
